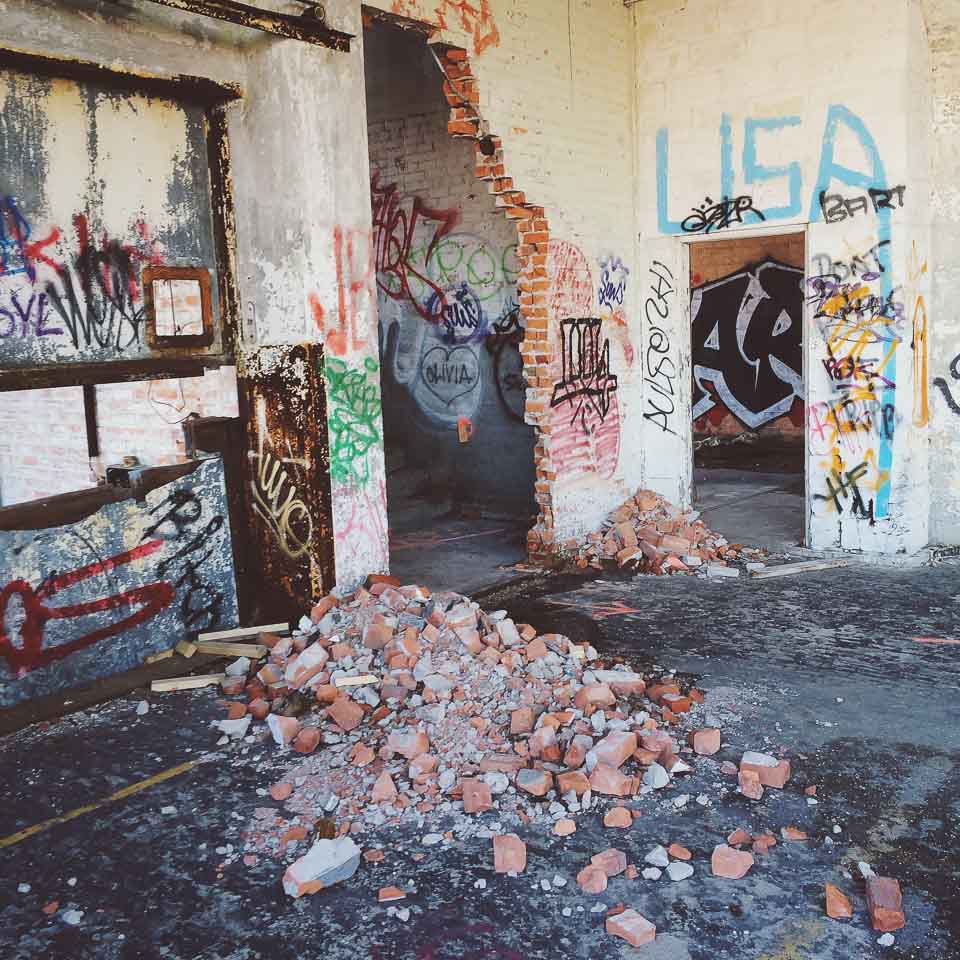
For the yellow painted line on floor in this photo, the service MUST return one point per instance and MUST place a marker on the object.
(88, 808)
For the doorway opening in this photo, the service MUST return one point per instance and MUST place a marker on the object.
(748, 395)
(460, 458)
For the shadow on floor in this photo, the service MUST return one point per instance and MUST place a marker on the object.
(435, 540)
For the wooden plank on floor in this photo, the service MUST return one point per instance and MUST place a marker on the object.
(240, 633)
(804, 566)
(186, 683)
(255, 651)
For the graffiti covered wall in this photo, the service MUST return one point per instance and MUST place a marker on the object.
(747, 337)
(841, 163)
(95, 186)
(94, 597)
(446, 273)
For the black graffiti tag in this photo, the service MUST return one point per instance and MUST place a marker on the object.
(587, 383)
(748, 342)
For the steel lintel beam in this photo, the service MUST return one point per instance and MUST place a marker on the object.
(305, 27)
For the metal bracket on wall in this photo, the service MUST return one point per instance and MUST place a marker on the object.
(310, 26)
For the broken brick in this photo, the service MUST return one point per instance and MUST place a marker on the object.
(632, 927)
(770, 771)
(476, 796)
(409, 745)
(616, 748)
(749, 785)
(729, 863)
(592, 879)
(611, 861)
(535, 782)
(705, 742)
(573, 780)
(389, 894)
(678, 852)
(345, 713)
(307, 740)
(885, 903)
(509, 854)
(838, 904)
(564, 827)
(618, 817)
(594, 695)
(384, 789)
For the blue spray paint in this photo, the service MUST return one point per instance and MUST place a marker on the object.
(753, 171)
(830, 170)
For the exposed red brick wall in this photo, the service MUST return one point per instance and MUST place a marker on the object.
(43, 444)
(533, 230)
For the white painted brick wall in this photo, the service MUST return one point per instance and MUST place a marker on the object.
(699, 60)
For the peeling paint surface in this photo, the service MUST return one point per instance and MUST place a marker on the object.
(93, 598)
(95, 185)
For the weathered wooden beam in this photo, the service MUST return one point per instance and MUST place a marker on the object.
(804, 566)
(255, 651)
(303, 27)
(186, 683)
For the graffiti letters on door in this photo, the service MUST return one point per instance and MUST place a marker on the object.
(747, 342)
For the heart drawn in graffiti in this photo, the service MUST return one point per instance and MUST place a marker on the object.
(450, 372)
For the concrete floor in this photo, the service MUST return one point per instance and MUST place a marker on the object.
(434, 540)
(826, 666)
(757, 509)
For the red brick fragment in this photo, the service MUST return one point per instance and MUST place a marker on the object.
(632, 927)
(729, 863)
(885, 902)
(838, 904)
(509, 854)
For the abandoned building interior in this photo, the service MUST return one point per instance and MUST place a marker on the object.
(437, 432)
(503, 282)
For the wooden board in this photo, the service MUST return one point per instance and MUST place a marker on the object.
(360, 681)
(185, 648)
(804, 566)
(254, 651)
(187, 683)
(156, 657)
(238, 633)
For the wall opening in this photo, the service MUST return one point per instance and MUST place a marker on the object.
(748, 392)
(460, 457)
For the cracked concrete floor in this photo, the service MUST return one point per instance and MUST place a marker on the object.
(826, 665)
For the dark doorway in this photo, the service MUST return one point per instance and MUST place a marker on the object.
(460, 459)
(748, 407)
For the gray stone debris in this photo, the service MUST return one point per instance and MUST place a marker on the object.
(678, 870)
(142, 708)
(657, 857)
(656, 776)
(327, 861)
(651, 873)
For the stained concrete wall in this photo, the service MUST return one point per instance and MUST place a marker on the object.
(96, 184)
(298, 153)
(833, 126)
(942, 19)
(448, 327)
(92, 597)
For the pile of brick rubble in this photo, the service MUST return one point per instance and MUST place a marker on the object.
(649, 534)
(426, 708)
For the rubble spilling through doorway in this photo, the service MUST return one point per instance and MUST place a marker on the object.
(746, 315)
(454, 304)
